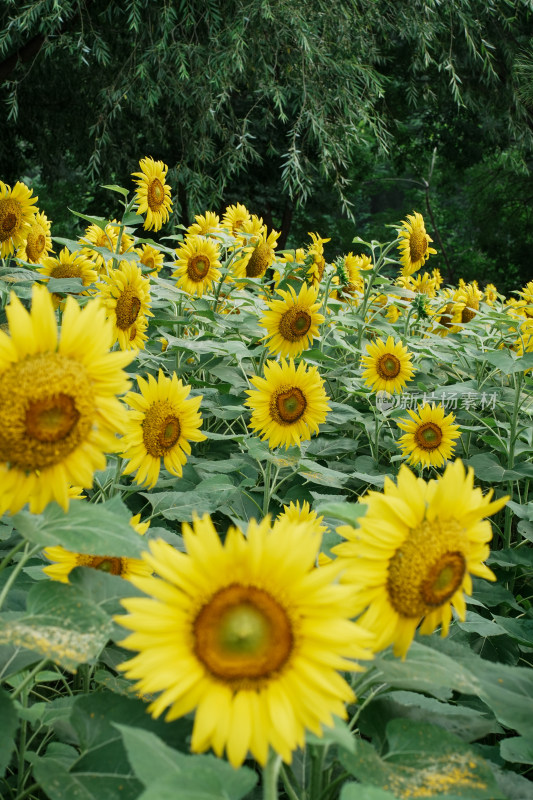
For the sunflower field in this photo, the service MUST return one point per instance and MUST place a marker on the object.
(265, 526)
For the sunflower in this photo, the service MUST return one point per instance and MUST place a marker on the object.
(38, 241)
(288, 404)
(348, 277)
(413, 555)
(95, 236)
(234, 218)
(137, 333)
(315, 260)
(257, 255)
(66, 560)
(162, 423)
(388, 365)
(466, 303)
(70, 265)
(153, 194)
(430, 436)
(295, 514)
(292, 323)
(248, 633)
(198, 265)
(126, 296)
(207, 224)
(58, 409)
(151, 258)
(437, 277)
(16, 213)
(414, 246)
(490, 294)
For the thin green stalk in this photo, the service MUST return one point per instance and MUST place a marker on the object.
(266, 488)
(14, 550)
(318, 755)
(519, 377)
(27, 792)
(27, 554)
(270, 777)
(29, 677)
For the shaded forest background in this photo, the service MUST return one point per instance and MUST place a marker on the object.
(336, 118)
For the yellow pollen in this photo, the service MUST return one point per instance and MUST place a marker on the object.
(155, 195)
(428, 436)
(260, 259)
(127, 308)
(418, 245)
(161, 428)
(388, 366)
(46, 410)
(427, 569)
(294, 324)
(242, 634)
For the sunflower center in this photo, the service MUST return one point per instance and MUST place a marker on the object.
(388, 366)
(10, 218)
(104, 563)
(260, 259)
(161, 428)
(287, 406)
(198, 267)
(155, 194)
(294, 324)
(127, 308)
(149, 261)
(418, 244)
(66, 271)
(427, 569)
(35, 245)
(428, 436)
(46, 410)
(242, 633)
(468, 313)
(445, 319)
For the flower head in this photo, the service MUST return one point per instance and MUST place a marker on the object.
(388, 365)
(414, 245)
(153, 194)
(430, 435)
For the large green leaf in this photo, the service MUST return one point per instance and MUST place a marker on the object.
(102, 529)
(60, 624)
(208, 495)
(518, 749)
(423, 761)
(10, 721)
(163, 770)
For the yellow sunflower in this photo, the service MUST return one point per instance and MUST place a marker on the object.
(388, 365)
(295, 514)
(315, 260)
(65, 560)
(137, 333)
(162, 423)
(99, 237)
(58, 408)
(348, 278)
(153, 194)
(126, 296)
(292, 323)
(414, 246)
(413, 555)
(16, 213)
(234, 218)
(38, 241)
(198, 265)
(288, 404)
(437, 277)
(257, 255)
(491, 294)
(206, 224)
(248, 633)
(151, 258)
(70, 265)
(430, 436)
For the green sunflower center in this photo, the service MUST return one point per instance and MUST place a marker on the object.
(155, 194)
(294, 324)
(108, 564)
(10, 218)
(428, 436)
(427, 569)
(46, 410)
(198, 267)
(242, 633)
(127, 308)
(388, 366)
(161, 428)
(418, 245)
(288, 405)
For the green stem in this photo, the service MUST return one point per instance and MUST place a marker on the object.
(519, 377)
(270, 777)
(29, 677)
(317, 767)
(266, 489)
(14, 550)
(287, 785)
(27, 554)
(30, 790)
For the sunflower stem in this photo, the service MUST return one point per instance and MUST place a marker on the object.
(519, 377)
(270, 776)
(27, 554)
(317, 768)
(266, 490)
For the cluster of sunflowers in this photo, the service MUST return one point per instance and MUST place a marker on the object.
(251, 630)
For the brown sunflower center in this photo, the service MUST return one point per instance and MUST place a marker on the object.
(198, 267)
(10, 218)
(388, 366)
(260, 259)
(468, 313)
(428, 436)
(242, 633)
(288, 405)
(127, 308)
(294, 324)
(427, 569)
(46, 410)
(445, 319)
(418, 245)
(161, 428)
(62, 270)
(36, 244)
(155, 194)
(108, 564)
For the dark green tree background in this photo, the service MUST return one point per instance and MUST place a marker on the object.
(330, 117)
